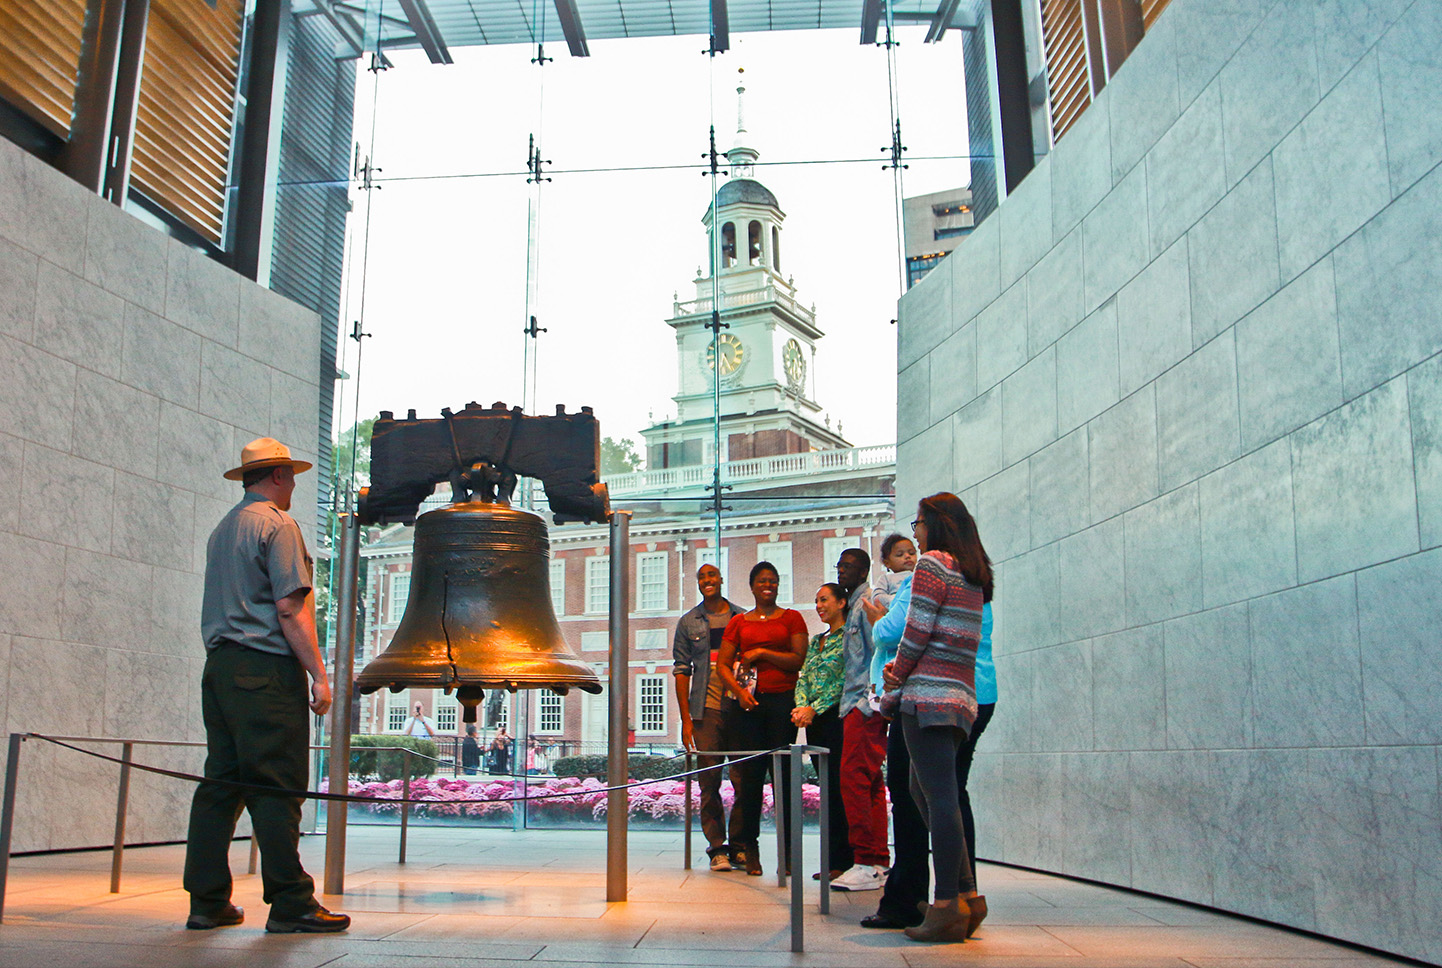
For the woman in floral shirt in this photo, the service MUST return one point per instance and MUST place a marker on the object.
(818, 692)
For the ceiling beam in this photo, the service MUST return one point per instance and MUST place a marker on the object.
(426, 31)
(941, 20)
(870, 20)
(720, 27)
(350, 32)
(572, 27)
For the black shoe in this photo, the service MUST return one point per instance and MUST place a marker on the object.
(884, 921)
(319, 921)
(229, 915)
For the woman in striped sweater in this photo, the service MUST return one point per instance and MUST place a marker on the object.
(931, 693)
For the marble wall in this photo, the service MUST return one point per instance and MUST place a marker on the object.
(132, 371)
(1189, 376)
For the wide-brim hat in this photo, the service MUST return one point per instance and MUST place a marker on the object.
(265, 452)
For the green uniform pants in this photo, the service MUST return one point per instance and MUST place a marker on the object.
(257, 729)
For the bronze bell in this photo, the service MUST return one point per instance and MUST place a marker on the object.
(479, 612)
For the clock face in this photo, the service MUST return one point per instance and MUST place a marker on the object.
(794, 361)
(733, 355)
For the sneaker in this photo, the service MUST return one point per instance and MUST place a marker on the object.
(720, 862)
(862, 877)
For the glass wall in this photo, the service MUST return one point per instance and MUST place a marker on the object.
(555, 233)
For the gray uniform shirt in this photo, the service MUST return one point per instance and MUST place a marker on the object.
(256, 556)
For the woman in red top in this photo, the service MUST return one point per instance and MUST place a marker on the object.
(770, 642)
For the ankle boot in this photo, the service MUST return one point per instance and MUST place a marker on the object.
(941, 924)
(977, 907)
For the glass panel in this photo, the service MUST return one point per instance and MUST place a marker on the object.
(479, 279)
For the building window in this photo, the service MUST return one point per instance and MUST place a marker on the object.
(595, 641)
(549, 717)
(598, 583)
(775, 248)
(831, 549)
(707, 556)
(650, 638)
(447, 714)
(651, 705)
(558, 586)
(499, 715)
(951, 232)
(753, 243)
(918, 266)
(397, 710)
(950, 208)
(651, 581)
(779, 554)
(400, 589)
(728, 245)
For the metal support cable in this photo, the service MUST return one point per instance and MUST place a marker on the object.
(351, 798)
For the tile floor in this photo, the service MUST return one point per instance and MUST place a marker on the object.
(473, 899)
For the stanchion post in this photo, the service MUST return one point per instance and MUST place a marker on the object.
(823, 822)
(339, 772)
(122, 798)
(798, 881)
(690, 765)
(618, 800)
(405, 795)
(778, 811)
(7, 812)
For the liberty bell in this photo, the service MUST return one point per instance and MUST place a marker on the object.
(479, 613)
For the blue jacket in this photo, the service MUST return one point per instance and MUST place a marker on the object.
(887, 635)
(691, 652)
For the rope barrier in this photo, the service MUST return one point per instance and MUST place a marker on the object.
(349, 798)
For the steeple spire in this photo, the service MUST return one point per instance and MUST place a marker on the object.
(741, 157)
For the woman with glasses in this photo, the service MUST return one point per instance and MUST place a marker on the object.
(931, 695)
(761, 653)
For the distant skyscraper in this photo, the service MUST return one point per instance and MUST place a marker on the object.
(934, 225)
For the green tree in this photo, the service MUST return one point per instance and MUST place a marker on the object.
(355, 441)
(619, 456)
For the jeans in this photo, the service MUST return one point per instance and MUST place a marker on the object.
(713, 733)
(825, 730)
(934, 787)
(763, 728)
(861, 787)
(910, 877)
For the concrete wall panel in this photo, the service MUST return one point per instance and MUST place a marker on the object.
(128, 398)
(1247, 574)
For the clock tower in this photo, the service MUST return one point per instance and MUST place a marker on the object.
(767, 344)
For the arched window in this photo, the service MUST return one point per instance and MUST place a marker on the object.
(775, 248)
(753, 249)
(728, 245)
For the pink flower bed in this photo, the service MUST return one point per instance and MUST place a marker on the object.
(580, 800)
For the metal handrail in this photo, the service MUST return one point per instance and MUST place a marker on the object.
(780, 798)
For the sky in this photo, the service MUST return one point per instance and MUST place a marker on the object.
(437, 256)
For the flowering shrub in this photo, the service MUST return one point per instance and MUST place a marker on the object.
(577, 800)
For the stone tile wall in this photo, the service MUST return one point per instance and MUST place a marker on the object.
(1189, 377)
(132, 370)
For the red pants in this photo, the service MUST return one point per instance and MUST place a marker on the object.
(863, 793)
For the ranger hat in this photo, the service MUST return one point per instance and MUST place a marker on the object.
(264, 452)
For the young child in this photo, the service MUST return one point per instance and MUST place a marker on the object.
(898, 554)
